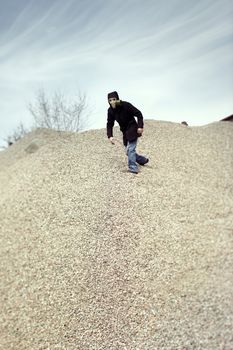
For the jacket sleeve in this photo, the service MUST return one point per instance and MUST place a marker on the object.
(136, 113)
(110, 124)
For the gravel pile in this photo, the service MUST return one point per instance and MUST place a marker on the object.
(96, 258)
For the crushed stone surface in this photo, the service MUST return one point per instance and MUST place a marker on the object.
(95, 258)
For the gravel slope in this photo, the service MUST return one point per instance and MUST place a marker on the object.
(93, 257)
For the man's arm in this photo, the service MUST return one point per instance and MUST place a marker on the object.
(110, 124)
(136, 113)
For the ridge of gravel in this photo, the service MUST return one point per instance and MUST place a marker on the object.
(95, 258)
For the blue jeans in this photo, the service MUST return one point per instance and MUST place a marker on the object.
(133, 157)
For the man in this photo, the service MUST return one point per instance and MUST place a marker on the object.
(124, 112)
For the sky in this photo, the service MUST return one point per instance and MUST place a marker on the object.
(171, 59)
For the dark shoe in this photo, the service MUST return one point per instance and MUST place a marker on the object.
(147, 160)
(134, 172)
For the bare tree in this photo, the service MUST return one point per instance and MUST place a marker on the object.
(60, 113)
(16, 135)
(56, 112)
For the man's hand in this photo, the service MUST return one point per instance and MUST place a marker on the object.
(111, 139)
(140, 130)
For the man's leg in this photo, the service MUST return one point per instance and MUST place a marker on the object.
(131, 153)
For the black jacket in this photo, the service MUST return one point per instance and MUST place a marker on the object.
(124, 114)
